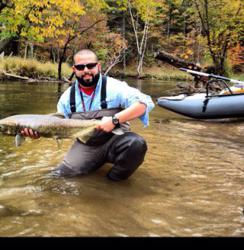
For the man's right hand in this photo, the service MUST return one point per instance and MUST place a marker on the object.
(30, 133)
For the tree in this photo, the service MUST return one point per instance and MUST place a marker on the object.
(221, 22)
(142, 14)
(35, 20)
(147, 11)
(115, 48)
(69, 38)
(172, 12)
(41, 20)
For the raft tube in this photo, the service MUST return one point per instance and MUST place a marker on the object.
(201, 106)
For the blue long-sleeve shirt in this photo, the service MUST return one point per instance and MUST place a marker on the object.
(119, 94)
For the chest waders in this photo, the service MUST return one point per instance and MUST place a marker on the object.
(125, 151)
(98, 137)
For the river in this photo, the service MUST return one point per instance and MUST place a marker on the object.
(190, 184)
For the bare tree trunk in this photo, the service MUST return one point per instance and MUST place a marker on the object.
(142, 51)
(169, 25)
(61, 59)
(115, 61)
(217, 42)
(204, 19)
(30, 50)
(141, 45)
(52, 55)
(26, 49)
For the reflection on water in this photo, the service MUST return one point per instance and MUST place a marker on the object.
(190, 184)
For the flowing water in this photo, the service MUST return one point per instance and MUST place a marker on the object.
(190, 184)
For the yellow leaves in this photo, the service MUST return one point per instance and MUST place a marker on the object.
(96, 5)
(224, 11)
(187, 54)
(35, 18)
(147, 9)
(68, 7)
(54, 21)
(46, 18)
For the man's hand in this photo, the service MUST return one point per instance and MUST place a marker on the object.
(30, 133)
(106, 124)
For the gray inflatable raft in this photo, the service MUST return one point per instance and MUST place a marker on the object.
(200, 106)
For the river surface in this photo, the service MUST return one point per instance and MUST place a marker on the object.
(190, 184)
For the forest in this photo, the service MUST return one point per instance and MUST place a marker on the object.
(125, 33)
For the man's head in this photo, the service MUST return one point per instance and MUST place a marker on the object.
(86, 67)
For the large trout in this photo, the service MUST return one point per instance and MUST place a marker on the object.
(54, 125)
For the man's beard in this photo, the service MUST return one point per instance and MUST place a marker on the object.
(90, 83)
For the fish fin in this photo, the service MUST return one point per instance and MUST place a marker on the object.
(59, 142)
(118, 131)
(19, 139)
(85, 134)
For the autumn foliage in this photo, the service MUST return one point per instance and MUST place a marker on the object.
(124, 31)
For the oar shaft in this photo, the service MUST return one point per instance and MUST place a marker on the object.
(194, 72)
(211, 76)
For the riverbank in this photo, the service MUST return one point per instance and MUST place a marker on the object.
(16, 68)
(164, 72)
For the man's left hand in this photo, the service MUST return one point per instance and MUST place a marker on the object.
(106, 124)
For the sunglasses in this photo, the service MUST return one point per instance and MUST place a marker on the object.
(82, 66)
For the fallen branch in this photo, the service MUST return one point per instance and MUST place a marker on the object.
(15, 76)
(29, 80)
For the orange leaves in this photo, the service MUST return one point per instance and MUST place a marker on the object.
(236, 55)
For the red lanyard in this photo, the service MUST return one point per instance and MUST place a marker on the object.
(83, 103)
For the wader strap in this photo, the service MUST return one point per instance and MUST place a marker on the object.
(72, 98)
(103, 95)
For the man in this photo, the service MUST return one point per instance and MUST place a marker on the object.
(115, 103)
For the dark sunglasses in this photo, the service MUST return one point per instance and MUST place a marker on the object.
(82, 66)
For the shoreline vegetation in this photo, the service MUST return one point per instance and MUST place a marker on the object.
(32, 70)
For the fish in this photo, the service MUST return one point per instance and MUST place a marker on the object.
(48, 125)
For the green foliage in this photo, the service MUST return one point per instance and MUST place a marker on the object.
(172, 25)
(101, 52)
(95, 5)
(147, 10)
